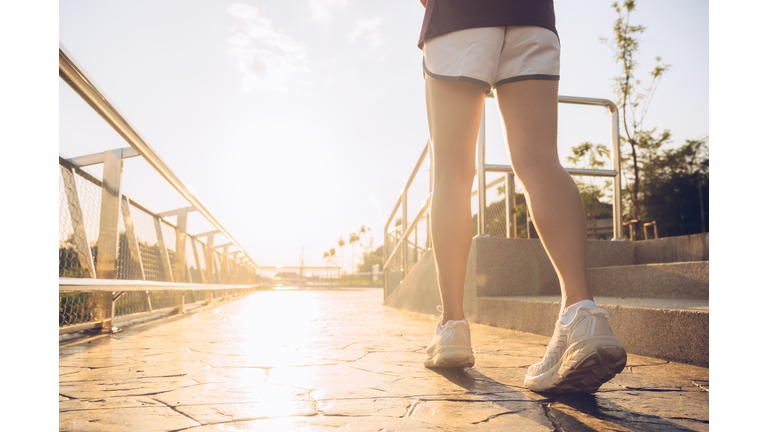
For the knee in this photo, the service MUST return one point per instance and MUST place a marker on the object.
(453, 176)
(534, 166)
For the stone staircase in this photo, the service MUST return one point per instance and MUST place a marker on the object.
(656, 290)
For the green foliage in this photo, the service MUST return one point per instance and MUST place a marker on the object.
(676, 189)
(631, 101)
(370, 259)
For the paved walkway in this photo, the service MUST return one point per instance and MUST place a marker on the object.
(334, 359)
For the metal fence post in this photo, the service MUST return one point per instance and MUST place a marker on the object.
(179, 262)
(133, 248)
(511, 204)
(82, 243)
(106, 258)
(481, 176)
(404, 226)
(130, 237)
(197, 261)
(428, 243)
(165, 261)
(209, 267)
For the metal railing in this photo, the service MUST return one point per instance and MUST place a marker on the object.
(404, 253)
(119, 261)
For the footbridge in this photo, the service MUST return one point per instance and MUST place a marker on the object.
(162, 329)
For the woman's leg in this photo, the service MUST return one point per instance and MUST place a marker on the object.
(529, 116)
(454, 110)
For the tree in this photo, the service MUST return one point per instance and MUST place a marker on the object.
(370, 259)
(341, 244)
(676, 185)
(625, 46)
(593, 155)
(366, 240)
(353, 238)
(330, 256)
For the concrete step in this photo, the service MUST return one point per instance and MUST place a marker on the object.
(676, 330)
(521, 267)
(658, 309)
(682, 280)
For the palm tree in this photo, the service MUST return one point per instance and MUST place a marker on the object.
(330, 256)
(353, 238)
(341, 248)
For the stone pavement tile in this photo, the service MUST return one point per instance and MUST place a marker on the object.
(137, 387)
(231, 412)
(109, 403)
(209, 394)
(149, 419)
(479, 416)
(323, 424)
(635, 411)
(230, 375)
(324, 360)
(126, 374)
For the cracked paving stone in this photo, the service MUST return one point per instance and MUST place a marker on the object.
(388, 407)
(108, 403)
(138, 387)
(149, 419)
(332, 359)
(482, 416)
(232, 392)
(230, 375)
(127, 374)
(220, 413)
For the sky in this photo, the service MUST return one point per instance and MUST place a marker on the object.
(296, 122)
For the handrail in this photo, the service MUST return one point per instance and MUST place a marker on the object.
(424, 207)
(408, 183)
(74, 75)
(482, 168)
(88, 284)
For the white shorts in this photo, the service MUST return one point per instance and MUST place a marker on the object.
(492, 56)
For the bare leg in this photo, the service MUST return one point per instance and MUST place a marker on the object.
(529, 115)
(454, 110)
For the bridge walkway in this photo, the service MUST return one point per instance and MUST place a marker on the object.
(335, 358)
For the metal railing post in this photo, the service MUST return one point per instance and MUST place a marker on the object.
(80, 237)
(225, 265)
(130, 237)
(385, 254)
(481, 177)
(404, 226)
(133, 247)
(179, 261)
(428, 243)
(511, 206)
(616, 161)
(197, 261)
(106, 258)
(165, 261)
(209, 267)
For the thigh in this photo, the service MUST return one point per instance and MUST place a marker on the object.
(454, 111)
(528, 111)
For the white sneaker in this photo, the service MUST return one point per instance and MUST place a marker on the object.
(451, 346)
(580, 357)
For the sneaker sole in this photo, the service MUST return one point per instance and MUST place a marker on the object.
(584, 367)
(450, 357)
